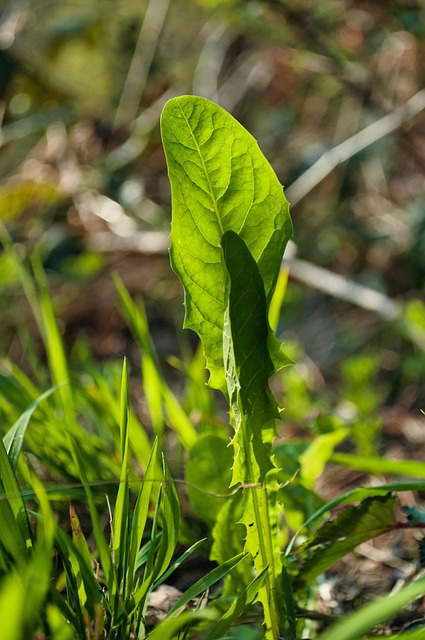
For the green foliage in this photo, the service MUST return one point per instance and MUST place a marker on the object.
(335, 539)
(220, 182)
(72, 420)
(223, 192)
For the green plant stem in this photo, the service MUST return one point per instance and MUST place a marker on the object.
(270, 607)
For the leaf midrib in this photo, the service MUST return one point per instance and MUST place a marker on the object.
(211, 191)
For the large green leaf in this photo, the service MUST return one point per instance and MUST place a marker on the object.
(251, 354)
(220, 182)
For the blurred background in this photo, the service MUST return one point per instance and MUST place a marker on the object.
(334, 93)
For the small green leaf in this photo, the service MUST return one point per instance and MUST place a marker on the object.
(220, 181)
(355, 495)
(373, 517)
(314, 459)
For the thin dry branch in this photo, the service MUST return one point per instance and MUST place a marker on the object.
(359, 141)
(339, 287)
(141, 62)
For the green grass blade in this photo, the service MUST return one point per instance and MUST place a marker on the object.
(140, 514)
(52, 338)
(104, 551)
(356, 625)
(149, 553)
(157, 392)
(168, 630)
(12, 606)
(170, 525)
(135, 316)
(74, 614)
(178, 418)
(374, 465)
(176, 564)
(237, 608)
(15, 531)
(120, 523)
(58, 629)
(14, 438)
(202, 585)
(89, 591)
(103, 394)
(17, 386)
(35, 576)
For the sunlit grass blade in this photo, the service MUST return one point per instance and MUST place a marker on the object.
(120, 518)
(16, 386)
(170, 525)
(140, 514)
(277, 298)
(52, 338)
(89, 591)
(375, 465)
(14, 438)
(156, 390)
(71, 605)
(146, 556)
(178, 418)
(202, 585)
(161, 547)
(121, 512)
(15, 531)
(103, 399)
(32, 580)
(135, 316)
(102, 546)
(168, 630)
(174, 565)
(238, 607)
(12, 606)
(58, 628)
